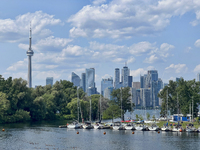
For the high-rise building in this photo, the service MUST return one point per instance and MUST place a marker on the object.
(75, 79)
(198, 77)
(29, 53)
(83, 82)
(49, 80)
(125, 74)
(117, 78)
(130, 80)
(145, 97)
(136, 85)
(107, 92)
(106, 83)
(90, 81)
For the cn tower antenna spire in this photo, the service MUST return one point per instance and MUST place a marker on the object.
(30, 54)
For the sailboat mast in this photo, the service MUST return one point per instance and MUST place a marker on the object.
(131, 103)
(121, 104)
(100, 108)
(78, 104)
(192, 108)
(90, 110)
(167, 105)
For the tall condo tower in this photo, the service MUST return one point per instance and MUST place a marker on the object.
(29, 54)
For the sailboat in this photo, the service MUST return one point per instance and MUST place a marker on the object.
(166, 127)
(130, 125)
(177, 128)
(98, 124)
(118, 125)
(76, 124)
(88, 125)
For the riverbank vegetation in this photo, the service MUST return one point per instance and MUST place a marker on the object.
(19, 103)
(180, 97)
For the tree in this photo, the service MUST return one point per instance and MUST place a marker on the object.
(4, 106)
(148, 116)
(112, 112)
(126, 99)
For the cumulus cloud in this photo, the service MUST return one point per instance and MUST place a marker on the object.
(151, 59)
(121, 18)
(179, 68)
(197, 43)
(18, 29)
(197, 68)
(50, 43)
(140, 71)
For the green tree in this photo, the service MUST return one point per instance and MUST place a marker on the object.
(148, 116)
(38, 109)
(112, 112)
(124, 94)
(4, 106)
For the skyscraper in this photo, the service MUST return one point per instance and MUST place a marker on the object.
(130, 79)
(90, 81)
(125, 74)
(29, 53)
(117, 75)
(83, 81)
(75, 79)
(198, 77)
(106, 83)
(49, 80)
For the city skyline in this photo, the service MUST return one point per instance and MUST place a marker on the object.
(100, 34)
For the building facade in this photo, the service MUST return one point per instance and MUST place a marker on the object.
(49, 80)
(90, 81)
(75, 79)
(106, 83)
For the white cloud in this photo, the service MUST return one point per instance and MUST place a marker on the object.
(98, 2)
(140, 71)
(197, 69)
(125, 18)
(151, 59)
(72, 50)
(197, 43)
(106, 76)
(48, 44)
(179, 68)
(18, 29)
(130, 60)
(188, 49)
(141, 48)
(19, 64)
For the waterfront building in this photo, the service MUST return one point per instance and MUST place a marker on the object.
(75, 79)
(30, 54)
(130, 80)
(136, 97)
(107, 92)
(106, 83)
(49, 80)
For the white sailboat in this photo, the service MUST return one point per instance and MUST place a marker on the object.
(76, 124)
(129, 126)
(166, 127)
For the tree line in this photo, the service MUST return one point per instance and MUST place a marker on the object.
(180, 97)
(19, 103)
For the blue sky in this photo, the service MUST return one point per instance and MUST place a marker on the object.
(69, 36)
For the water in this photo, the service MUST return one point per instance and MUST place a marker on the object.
(47, 135)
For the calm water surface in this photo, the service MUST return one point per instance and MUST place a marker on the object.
(47, 135)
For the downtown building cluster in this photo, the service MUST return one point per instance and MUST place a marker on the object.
(144, 93)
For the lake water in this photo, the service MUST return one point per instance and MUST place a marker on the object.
(47, 135)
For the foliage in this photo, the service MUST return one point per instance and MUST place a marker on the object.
(112, 112)
(122, 98)
(180, 95)
(148, 116)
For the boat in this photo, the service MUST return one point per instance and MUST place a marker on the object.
(88, 125)
(63, 126)
(74, 125)
(129, 126)
(118, 126)
(166, 127)
(141, 127)
(153, 127)
(177, 129)
(98, 126)
(190, 129)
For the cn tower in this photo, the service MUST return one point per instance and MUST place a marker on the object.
(29, 54)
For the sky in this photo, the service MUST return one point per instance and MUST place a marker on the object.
(72, 35)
